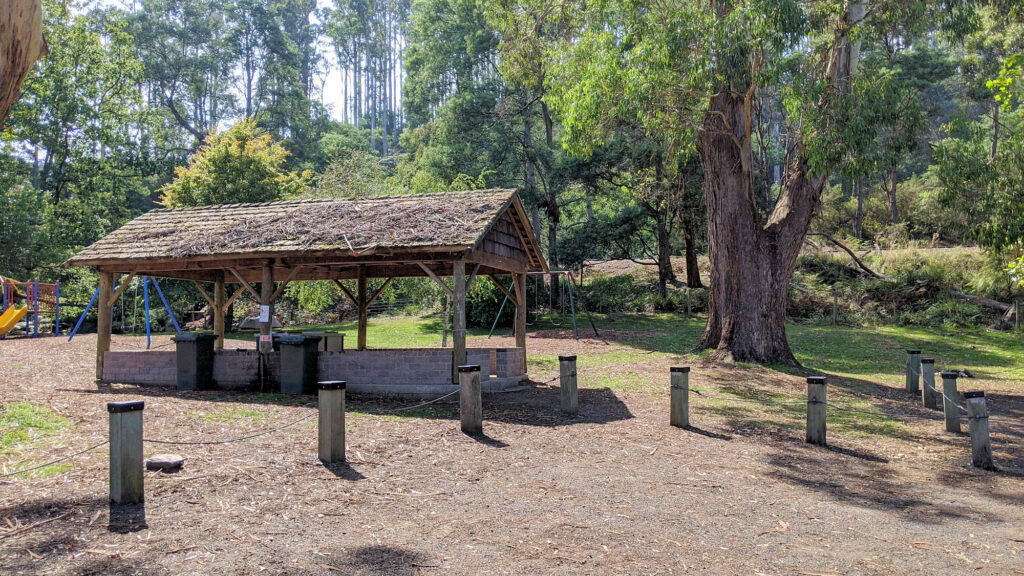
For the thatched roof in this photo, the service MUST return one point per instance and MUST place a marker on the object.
(447, 222)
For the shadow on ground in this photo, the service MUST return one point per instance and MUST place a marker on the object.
(380, 560)
(531, 406)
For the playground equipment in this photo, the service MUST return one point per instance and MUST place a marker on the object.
(569, 281)
(42, 303)
(145, 297)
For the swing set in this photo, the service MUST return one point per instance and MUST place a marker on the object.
(569, 281)
(145, 298)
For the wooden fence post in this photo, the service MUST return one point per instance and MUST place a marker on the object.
(126, 451)
(949, 407)
(679, 415)
(817, 396)
(567, 383)
(913, 370)
(331, 425)
(977, 423)
(929, 396)
(470, 400)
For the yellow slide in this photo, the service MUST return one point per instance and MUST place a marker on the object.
(11, 317)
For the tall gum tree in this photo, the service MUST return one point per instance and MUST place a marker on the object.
(691, 72)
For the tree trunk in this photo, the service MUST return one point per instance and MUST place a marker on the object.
(692, 266)
(751, 262)
(995, 133)
(665, 272)
(858, 217)
(894, 216)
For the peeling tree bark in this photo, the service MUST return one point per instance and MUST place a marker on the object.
(21, 44)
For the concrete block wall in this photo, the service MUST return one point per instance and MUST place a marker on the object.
(141, 367)
(386, 371)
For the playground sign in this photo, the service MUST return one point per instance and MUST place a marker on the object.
(264, 313)
(264, 337)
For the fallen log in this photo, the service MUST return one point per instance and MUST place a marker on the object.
(846, 249)
(983, 301)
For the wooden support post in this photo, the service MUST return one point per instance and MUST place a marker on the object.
(219, 306)
(817, 397)
(929, 395)
(266, 309)
(567, 383)
(458, 316)
(977, 423)
(363, 309)
(332, 421)
(471, 409)
(126, 452)
(103, 320)
(679, 415)
(913, 370)
(949, 408)
(519, 283)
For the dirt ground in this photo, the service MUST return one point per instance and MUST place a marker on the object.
(614, 491)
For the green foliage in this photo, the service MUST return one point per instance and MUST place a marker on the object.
(241, 164)
(22, 423)
(355, 174)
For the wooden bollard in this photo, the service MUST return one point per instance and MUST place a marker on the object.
(567, 383)
(126, 452)
(471, 400)
(949, 407)
(977, 423)
(929, 395)
(817, 396)
(679, 416)
(913, 370)
(331, 426)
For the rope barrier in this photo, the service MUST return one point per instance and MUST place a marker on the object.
(58, 461)
(427, 403)
(217, 442)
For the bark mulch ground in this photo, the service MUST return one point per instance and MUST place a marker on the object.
(615, 491)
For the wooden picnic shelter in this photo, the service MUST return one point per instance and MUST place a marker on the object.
(260, 248)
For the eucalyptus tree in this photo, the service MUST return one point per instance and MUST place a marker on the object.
(185, 47)
(369, 38)
(691, 72)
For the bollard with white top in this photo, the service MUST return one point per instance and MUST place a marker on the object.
(331, 427)
(126, 452)
(471, 400)
(913, 370)
(817, 397)
(679, 415)
(977, 423)
(949, 408)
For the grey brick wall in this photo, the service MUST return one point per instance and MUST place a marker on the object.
(415, 371)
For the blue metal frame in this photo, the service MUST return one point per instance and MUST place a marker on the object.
(56, 321)
(35, 303)
(82, 317)
(166, 305)
(145, 298)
